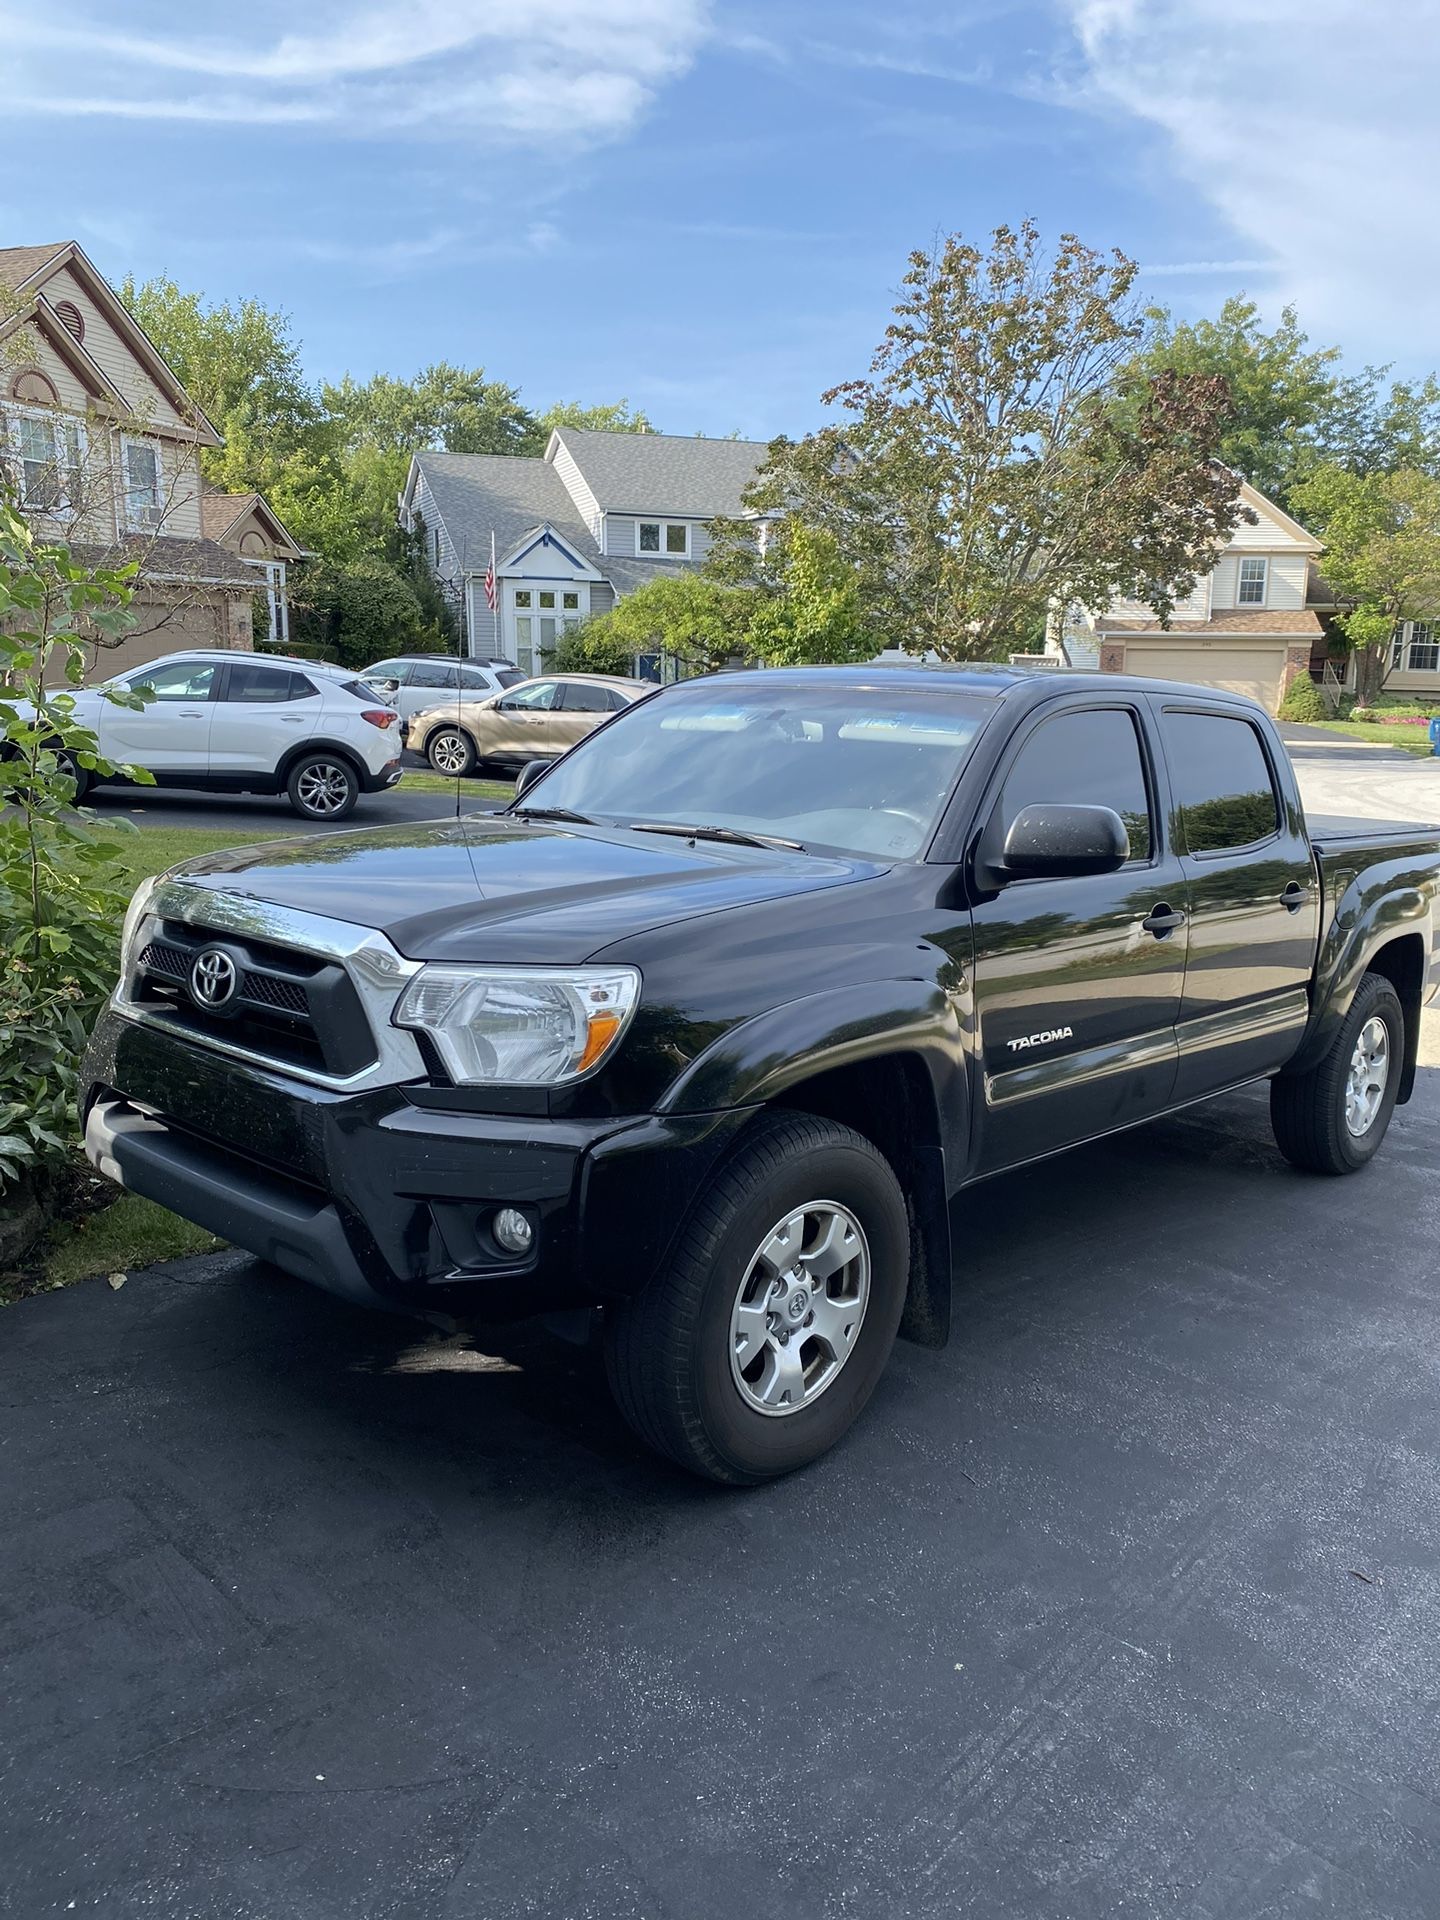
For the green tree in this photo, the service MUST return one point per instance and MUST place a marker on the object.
(987, 471)
(802, 604)
(1281, 389)
(619, 417)
(454, 409)
(240, 362)
(360, 611)
(1382, 555)
(694, 620)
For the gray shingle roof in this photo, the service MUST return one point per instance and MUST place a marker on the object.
(663, 472)
(18, 263)
(193, 562)
(480, 493)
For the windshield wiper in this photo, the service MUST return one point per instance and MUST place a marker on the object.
(554, 813)
(733, 835)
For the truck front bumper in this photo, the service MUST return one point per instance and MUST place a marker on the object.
(385, 1201)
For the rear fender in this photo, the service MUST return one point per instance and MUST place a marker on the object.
(1381, 905)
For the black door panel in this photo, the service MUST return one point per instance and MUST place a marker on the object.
(1254, 902)
(1078, 980)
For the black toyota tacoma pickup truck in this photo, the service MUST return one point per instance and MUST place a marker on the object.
(718, 1025)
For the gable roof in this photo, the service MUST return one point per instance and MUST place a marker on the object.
(220, 512)
(1262, 504)
(39, 313)
(661, 472)
(18, 264)
(25, 270)
(1298, 624)
(477, 494)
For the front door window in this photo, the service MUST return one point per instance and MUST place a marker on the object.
(541, 615)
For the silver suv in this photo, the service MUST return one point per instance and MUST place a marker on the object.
(414, 681)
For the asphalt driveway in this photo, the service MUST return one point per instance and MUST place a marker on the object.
(1124, 1605)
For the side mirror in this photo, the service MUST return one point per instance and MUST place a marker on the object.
(1050, 842)
(529, 774)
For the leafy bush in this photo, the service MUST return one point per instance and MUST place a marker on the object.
(361, 612)
(61, 897)
(1304, 702)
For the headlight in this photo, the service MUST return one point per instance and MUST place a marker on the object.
(520, 1026)
(134, 914)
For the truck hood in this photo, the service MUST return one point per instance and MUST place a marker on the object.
(494, 889)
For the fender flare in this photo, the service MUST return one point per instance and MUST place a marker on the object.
(320, 744)
(759, 1062)
(1377, 908)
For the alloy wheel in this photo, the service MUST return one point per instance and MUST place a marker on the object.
(450, 754)
(323, 788)
(1368, 1077)
(799, 1308)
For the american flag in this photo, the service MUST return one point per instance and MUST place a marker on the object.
(491, 600)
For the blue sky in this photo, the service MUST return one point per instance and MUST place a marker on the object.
(706, 206)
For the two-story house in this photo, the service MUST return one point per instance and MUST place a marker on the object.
(594, 517)
(1250, 626)
(102, 444)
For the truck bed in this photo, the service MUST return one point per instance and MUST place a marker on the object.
(1344, 833)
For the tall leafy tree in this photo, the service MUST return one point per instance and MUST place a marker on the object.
(618, 417)
(1382, 555)
(986, 470)
(456, 409)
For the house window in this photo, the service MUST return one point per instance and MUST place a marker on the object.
(1416, 647)
(547, 601)
(670, 537)
(570, 601)
(142, 483)
(522, 597)
(48, 452)
(1252, 581)
(36, 387)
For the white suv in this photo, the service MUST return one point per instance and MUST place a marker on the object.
(424, 680)
(250, 723)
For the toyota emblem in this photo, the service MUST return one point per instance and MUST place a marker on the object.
(213, 979)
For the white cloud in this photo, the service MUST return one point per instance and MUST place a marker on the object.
(519, 73)
(1310, 126)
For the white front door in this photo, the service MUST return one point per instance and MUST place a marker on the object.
(540, 611)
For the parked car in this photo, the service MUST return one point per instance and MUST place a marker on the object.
(537, 720)
(249, 723)
(419, 680)
(716, 1028)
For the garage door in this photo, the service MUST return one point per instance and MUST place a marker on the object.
(1253, 670)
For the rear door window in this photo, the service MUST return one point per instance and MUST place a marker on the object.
(1089, 758)
(265, 686)
(425, 675)
(1222, 781)
(578, 698)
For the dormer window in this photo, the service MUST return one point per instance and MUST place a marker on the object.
(142, 484)
(668, 537)
(1253, 571)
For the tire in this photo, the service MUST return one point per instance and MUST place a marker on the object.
(323, 786)
(673, 1354)
(1315, 1115)
(451, 751)
(67, 764)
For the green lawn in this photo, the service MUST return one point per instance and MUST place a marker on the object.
(471, 789)
(1410, 739)
(131, 1233)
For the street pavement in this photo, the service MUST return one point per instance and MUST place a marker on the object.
(1121, 1606)
(1340, 776)
(271, 813)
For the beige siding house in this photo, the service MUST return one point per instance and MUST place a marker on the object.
(1251, 625)
(102, 444)
(246, 525)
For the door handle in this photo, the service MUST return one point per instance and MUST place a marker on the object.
(1294, 897)
(192, 713)
(1162, 920)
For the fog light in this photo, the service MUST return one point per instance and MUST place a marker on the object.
(513, 1231)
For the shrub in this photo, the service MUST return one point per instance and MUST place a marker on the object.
(1304, 702)
(61, 897)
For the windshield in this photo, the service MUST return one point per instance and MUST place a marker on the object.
(863, 769)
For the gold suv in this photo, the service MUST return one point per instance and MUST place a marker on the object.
(538, 720)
